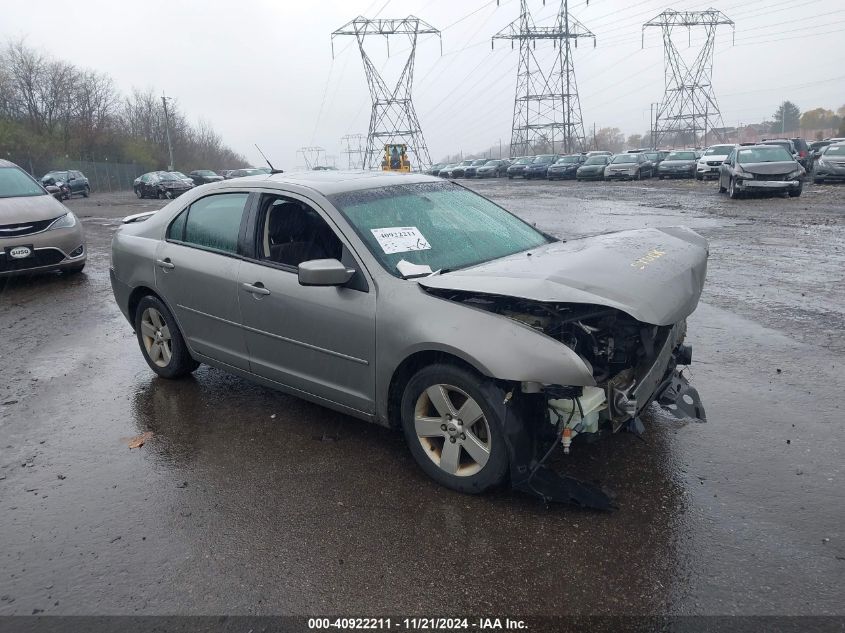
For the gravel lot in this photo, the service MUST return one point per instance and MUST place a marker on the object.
(247, 501)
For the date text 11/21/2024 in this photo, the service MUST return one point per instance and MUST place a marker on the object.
(418, 624)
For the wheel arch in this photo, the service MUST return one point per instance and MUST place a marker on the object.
(410, 366)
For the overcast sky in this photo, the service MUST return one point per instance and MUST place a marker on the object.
(261, 71)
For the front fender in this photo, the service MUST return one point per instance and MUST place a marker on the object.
(496, 346)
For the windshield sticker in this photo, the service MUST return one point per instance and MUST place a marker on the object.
(400, 239)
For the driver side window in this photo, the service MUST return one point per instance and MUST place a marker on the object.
(292, 232)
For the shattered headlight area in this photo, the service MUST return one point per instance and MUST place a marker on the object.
(633, 364)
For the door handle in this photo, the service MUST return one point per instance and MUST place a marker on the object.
(257, 288)
(165, 263)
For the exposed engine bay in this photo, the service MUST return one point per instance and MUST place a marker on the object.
(633, 364)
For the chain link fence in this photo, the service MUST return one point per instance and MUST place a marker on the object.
(103, 176)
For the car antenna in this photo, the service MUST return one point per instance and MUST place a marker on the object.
(273, 170)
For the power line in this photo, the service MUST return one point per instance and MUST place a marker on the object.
(546, 106)
(393, 119)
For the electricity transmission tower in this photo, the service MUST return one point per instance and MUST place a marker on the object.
(354, 150)
(689, 104)
(311, 156)
(546, 110)
(393, 118)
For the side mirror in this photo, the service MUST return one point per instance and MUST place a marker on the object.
(324, 272)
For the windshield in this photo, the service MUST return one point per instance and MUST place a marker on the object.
(55, 175)
(440, 224)
(785, 145)
(771, 154)
(205, 172)
(479, 162)
(167, 176)
(567, 159)
(524, 161)
(15, 183)
(681, 156)
(545, 158)
(179, 174)
(835, 150)
(624, 158)
(719, 150)
(597, 160)
(492, 163)
(652, 156)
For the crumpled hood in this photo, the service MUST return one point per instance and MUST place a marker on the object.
(30, 209)
(655, 275)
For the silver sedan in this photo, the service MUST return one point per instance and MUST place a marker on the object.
(415, 303)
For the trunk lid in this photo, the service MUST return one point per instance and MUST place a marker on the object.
(654, 275)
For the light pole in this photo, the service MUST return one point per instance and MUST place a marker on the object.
(167, 131)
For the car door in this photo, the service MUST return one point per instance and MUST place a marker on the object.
(317, 340)
(197, 274)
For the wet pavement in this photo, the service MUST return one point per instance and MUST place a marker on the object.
(247, 501)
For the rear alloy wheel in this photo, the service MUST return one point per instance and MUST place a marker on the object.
(161, 341)
(452, 424)
(733, 192)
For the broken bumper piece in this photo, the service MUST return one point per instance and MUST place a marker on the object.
(680, 398)
(551, 487)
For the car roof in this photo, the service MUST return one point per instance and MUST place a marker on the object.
(330, 182)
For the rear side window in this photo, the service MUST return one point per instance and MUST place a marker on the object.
(212, 222)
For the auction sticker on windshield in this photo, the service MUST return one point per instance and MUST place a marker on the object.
(400, 239)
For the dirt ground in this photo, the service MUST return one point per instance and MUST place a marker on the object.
(247, 501)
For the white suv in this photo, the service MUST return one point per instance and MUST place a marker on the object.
(712, 159)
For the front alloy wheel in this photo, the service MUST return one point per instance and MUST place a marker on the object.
(452, 430)
(733, 192)
(452, 423)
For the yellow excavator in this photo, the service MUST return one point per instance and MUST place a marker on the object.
(396, 158)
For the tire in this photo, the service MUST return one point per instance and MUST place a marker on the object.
(510, 177)
(818, 181)
(86, 192)
(699, 177)
(794, 193)
(660, 177)
(637, 176)
(159, 195)
(151, 319)
(457, 389)
(721, 188)
(732, 190)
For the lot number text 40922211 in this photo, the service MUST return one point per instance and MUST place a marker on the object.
(418, 624)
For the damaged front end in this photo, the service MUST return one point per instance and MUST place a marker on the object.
(633, 364)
